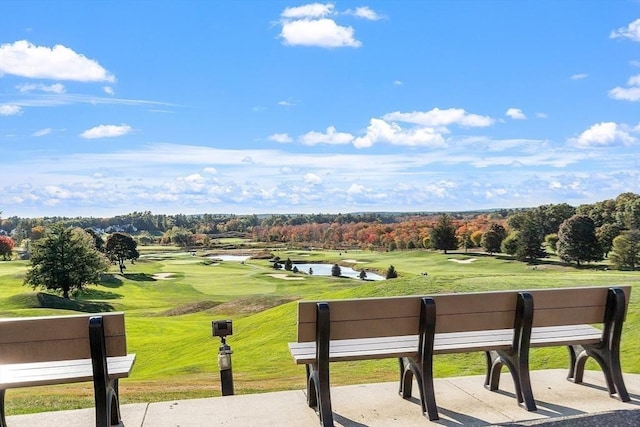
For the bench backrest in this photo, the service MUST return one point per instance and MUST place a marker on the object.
(398, 316)
(42, 339)
(572, 306)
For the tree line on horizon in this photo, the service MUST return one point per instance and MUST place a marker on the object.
(576, 234)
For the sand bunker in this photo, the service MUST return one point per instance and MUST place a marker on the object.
(463, 261)
(285, 277)
(163, 276)
(353, 261)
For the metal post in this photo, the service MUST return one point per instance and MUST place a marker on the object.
(226, 371)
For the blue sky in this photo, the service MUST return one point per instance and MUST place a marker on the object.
(291, 107)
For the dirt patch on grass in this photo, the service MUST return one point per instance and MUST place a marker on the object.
(194, 307)
(285, 276)
(353, 261)
(252, 305)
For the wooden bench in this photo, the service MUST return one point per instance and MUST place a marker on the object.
(38, 351)
(410, 329)
(415, 328)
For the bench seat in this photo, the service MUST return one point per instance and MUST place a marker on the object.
(455, 342)
(60, 372)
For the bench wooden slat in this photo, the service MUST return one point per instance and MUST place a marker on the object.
(60, 372)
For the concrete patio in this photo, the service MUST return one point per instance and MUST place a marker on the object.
(461, 401)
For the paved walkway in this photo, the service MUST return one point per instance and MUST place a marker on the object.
(461, 401)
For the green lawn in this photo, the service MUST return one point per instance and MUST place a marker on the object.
(170, 299)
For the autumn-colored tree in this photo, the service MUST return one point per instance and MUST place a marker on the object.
(6, 247)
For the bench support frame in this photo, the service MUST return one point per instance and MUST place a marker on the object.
(516, 359)
(318, 388)
(606, 352)
(105, 389)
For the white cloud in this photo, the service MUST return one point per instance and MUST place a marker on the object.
(312, 178)
(54, 88)
(398, 82)
(286, 103)
(313, 10)
(210, 170)
(356, 189)
(364, 12)
(438, 117)
(9, 109)
(42, 132)
(515, 114)
(579, 76)
(108, 90)
(106, 131)
(603, 135)
(380, 131)
(282, 138)
(631, 31)
(630, 93)
(330, 137)
(318, 32)
(24, 59)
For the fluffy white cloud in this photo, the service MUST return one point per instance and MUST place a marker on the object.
(313, 10)
(24, 59)
(356, 189)
(602, 135)
(312, 178)
(42, 132)
(54, 88)
(106, 131)
(318, 32)
(542, 115)
(630, 93)
(364, 12)
(438, 117)
(282, 138)
(398, 82)
(286, 103)
(330, 137)
(380, 131)
(9, 109)
(108, 90)
(631, 31)
(515, 114)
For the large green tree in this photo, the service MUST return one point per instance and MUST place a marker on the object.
(577, 240)
(626, 250)
(65, 259)
(443, 235)
(493, 237)
(121, 247)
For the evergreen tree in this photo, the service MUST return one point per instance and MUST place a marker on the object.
(336, 271)
(577, 240)
(65, 259)
(443, 235)
(530, 238)
(391, 272)
(362, 275)
(288, 265)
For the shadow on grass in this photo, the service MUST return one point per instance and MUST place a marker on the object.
(54, 301)
(110, 281)
(89, 294)
(139, 277)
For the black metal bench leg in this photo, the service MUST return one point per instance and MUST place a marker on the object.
(3, 421)
(607, 352)
(494, 366)
(320, 370)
